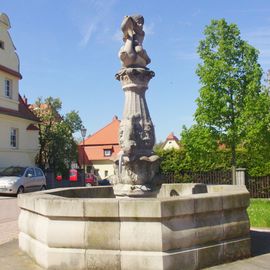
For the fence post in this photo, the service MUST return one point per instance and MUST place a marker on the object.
(240, 176)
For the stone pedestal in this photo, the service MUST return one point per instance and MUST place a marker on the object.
(136, 163)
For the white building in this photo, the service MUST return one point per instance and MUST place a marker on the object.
(172, 142)
(18, 133)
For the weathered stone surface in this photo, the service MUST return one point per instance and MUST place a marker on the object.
(136, 163)
(103, 259)
(238, 249)
(132, 53)
(102, 235)
(180, 232)
(209, 256)
(106, 208)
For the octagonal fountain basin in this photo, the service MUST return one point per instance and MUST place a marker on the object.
(185, 226)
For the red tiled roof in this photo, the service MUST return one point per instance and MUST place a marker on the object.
(172, 137)
(23, 111)
(104, 139)
(97, 152)
(106, 135)
(45, 108)
(32, 127)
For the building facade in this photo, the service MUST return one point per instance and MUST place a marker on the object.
(98, 151)
(172, 142)
(18, 134)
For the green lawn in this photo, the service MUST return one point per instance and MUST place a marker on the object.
(259, 213)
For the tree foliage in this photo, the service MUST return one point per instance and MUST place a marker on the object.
(230, 77)
(233, 113)
(57, 145)
(257, 137)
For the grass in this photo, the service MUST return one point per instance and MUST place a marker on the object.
(259, 213)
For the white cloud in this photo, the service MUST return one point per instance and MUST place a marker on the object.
(88, 33)
(91, 18)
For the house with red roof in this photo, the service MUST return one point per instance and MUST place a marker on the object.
(98, 151)
(19, 135)
(172, 142)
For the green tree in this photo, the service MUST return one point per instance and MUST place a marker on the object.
(257, 138)
(201, 145)
(57, 145)
(230, 77)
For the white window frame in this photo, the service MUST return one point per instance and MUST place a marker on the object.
(107, 152)
(14, 138)
(8, 88)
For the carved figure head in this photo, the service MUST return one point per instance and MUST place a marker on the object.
(139, 20)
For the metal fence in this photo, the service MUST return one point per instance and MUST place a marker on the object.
(259, 187)
(213, 177)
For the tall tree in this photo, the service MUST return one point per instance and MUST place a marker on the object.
(230, 77)
(57, 145)
(257, 138)
(201, 146)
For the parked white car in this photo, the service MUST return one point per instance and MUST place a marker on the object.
(15, 180)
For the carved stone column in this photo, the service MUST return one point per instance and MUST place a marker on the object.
(136, 165)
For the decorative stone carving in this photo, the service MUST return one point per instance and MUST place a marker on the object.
(136, 163)
(132, 53)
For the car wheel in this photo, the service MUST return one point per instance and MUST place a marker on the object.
(43, 188)
(20, 190)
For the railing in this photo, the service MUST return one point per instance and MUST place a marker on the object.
(259, 187)
(213, 177)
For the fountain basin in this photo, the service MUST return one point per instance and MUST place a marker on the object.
(185, 226)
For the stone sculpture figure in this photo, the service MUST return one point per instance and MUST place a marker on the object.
(136, 164)
(132, 53)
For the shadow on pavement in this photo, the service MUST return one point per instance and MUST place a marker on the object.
(260, 242)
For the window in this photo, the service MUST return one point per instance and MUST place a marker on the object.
(8, 88)
(106, 173)
(107, 152)
(89, 169)
(38, 172)
(2, 45)
(14, 137)
(30, 172)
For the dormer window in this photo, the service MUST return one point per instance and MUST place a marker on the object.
(8, 88)
(107, 152)
(2, 45)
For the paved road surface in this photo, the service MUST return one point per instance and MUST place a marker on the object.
(9, 212)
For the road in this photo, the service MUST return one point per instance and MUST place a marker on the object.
(9, 212)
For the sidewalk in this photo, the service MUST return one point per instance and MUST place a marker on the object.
(11, 258)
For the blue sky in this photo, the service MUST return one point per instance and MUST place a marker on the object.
(68, 49)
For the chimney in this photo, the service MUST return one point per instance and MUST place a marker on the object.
(25, 100)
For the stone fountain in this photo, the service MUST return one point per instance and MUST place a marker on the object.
(136, 166)
(135, 224)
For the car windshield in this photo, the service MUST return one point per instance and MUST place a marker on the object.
(13, 171)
